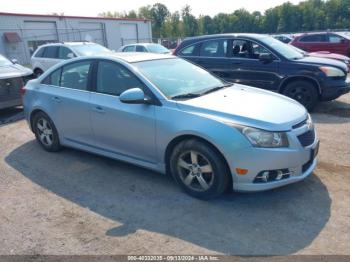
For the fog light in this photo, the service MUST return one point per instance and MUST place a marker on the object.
(271, 175)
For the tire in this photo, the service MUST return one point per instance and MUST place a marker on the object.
(304, 92)
(38, 72)
(187, 163)
(46, 132)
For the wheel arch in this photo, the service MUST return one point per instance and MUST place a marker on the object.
(32, 114)
(291, 79)
(175, 141)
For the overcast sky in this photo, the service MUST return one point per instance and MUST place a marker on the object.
(94, 7)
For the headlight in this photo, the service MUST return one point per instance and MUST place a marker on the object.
(331, 71)
(262, 138)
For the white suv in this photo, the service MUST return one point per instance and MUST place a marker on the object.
(49, 55)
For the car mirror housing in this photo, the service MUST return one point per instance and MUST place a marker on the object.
(133, 96)
(266, 58)
(15, 61)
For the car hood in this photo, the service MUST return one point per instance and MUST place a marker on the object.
(14, 70)
(248, 106)
(326, 54)
(323, 62)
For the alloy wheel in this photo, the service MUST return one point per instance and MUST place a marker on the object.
(45, 131)
(195, 171)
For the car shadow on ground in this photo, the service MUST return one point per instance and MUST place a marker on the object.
(336, 111)
(277, 222)
(11, 115)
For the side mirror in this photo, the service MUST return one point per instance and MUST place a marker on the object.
(70, 55)
(15, 61)
(266, 58)
(343, 41)
(133, 96)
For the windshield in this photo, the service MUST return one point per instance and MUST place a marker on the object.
(159, 49)
(89, 49)
(345, 34)
(175, 77)
(4, 61)
(286, 50)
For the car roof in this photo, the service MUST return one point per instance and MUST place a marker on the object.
(248, 35)
(132, 57)
(68, 44)
(142, 44)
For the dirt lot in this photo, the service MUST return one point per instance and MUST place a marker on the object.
(78, 203)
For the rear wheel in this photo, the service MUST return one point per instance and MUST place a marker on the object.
(199, 169)
(45, 132)
(38, 72)
(304, 92)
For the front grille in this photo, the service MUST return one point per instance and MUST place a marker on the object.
(307, 138)
(10, 88)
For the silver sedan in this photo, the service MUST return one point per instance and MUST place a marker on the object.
(166, 114)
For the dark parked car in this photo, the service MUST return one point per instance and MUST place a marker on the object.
(264, 62)
(12, 78)
(338, 43)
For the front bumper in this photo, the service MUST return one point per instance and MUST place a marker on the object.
(300, 161)
(333, 89)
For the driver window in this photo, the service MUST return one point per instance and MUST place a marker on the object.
(247, 49)
(114, 79)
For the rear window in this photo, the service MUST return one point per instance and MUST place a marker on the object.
(188, 51)
(40, 52)
(53, 78)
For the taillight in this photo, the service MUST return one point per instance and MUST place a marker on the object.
(22, 91)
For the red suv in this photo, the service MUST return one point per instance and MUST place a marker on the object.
(332, 42)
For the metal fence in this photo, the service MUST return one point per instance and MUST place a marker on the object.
(29, 39)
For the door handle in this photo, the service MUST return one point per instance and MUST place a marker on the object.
(99, 109)
(56, 99)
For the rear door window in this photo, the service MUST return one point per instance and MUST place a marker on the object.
(51, 52)
(140, 48)
(214, 48)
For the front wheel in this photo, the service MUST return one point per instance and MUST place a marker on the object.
(303, 92)
(199, 169)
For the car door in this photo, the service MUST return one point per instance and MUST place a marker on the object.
(127, 130)
(246, 68)
(50, 57)
(212, 55)
(68, 97)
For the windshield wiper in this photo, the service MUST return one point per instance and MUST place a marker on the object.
(184, 96)
(215, 89)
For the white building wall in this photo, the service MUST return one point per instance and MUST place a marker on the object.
(104, 31)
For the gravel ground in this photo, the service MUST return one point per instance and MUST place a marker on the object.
(78, 203)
